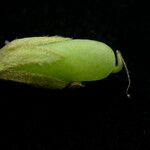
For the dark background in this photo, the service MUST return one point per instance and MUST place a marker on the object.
(99, 116)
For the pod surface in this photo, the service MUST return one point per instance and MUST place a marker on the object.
(84, 60)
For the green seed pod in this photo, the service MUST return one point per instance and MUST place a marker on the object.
(56, 62)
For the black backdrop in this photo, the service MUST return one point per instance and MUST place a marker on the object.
(99, 116)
